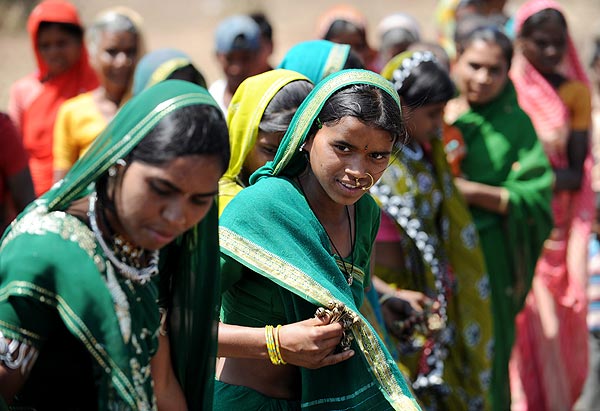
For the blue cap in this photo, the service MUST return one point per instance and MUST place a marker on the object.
(237, 33)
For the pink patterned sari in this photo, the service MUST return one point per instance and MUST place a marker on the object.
(549, 361)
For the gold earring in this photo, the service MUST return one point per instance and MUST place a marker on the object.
(370, 185)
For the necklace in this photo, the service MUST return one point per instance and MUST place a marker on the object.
(140, 275)
(349, 277)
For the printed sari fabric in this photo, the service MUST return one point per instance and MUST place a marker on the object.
(270, 230)
(316, 59)
(550, 359)
(245, 112)
(34, 100)
(440, 245)
(61, 297)
(503, 151)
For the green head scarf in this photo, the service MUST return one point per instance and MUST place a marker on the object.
(191, 286)
(245, 112)
(288, 160)
(316, 59)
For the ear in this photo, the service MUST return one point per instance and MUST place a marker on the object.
(307, 146)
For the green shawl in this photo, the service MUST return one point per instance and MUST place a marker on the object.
(503, 151)
(316, 59)
(48, 256)
(285, 243)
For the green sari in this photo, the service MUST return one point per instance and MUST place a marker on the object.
(245, 112)
(503, 151)
(316, 59)
(270, 230)
(55, 281)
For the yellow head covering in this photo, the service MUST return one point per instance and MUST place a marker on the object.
(244, 114)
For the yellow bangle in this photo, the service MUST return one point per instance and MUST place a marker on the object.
(504, 197)
(270, 343)
(277, 346)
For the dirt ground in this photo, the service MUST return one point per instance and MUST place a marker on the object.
(189, 26)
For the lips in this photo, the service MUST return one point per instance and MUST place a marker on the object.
(161, 237)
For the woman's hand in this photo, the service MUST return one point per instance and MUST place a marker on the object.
(406, 307)
(311, 343)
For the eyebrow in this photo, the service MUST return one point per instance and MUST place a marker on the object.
(178, 190)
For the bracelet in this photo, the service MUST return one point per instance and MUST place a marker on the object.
(277, 345)
(383, 299)
(272, 339)
(504, 197)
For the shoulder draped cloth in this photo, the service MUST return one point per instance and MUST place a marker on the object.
(270, 229)
(74, 283)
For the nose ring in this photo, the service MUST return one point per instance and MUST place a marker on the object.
(370, 185)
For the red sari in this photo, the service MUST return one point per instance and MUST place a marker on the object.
(34, 99)
(549, 362)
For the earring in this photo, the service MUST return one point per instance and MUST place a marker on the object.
(301, 149)
(370, 185)
(112, 170)
(357, 182)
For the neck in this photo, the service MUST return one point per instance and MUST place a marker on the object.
(111, 93)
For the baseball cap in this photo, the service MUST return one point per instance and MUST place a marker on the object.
(237, 32)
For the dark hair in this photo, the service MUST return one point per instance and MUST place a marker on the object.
(188, 73)
(468, 24)
(266, 30)
(283, 106)
(488, 34)
(339, 27)
(353, 61)
(71, 29)
(191, 130)
(369, 104)
(428, 83)
(541, 17)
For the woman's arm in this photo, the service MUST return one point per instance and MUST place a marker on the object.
(169, 396)
(21, 358)
(577, 148)
(491, 198)
(310, 343)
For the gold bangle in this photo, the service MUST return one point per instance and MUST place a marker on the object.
(504, 198)
(270, 343)
(277, 345)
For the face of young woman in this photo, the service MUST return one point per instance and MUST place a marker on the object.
(545, 47)
(342, 153)
(425, 123)
(155, 204)
(59, 49)
(117, 57)
(264, 150)
(481, 72)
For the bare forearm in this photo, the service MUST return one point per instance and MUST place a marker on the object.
(242, 342)
(491, 198)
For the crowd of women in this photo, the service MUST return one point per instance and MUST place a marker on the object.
(397, 229)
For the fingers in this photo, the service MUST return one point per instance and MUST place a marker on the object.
(336, 358)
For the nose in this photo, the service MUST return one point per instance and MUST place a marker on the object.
(482, 76)
(174, 214)
(122, 60)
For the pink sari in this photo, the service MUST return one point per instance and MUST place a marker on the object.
(549, 361)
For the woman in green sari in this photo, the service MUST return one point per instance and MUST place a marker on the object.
(507, 182)
(317, 59)
(79, 291)
(296, 245)
(259, 114)
(428, 243)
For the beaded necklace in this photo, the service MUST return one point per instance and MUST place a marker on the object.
(141, 275)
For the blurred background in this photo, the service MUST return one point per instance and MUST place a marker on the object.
(189, 26)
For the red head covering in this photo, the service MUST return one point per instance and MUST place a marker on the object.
(39, 116)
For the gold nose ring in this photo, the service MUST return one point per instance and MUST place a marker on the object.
(370, 185)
